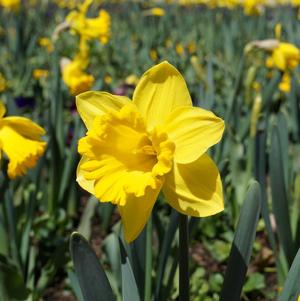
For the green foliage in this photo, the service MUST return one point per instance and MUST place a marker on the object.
(40, 210)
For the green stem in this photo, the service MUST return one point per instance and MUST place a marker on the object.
(183, 258)
(148, 272)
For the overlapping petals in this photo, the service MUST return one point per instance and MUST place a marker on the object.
(133, 150)
(20, 140)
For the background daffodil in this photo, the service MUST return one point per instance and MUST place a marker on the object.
(157, 142)
(20, 140)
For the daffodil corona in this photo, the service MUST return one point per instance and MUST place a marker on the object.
(156, 142)
(20, 140)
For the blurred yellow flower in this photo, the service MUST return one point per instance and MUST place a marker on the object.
(90, 28)
(253, 7)
(131, 80)
(256, 86)
(20, 140)
(107, 79)
(192, 47)
(10, 4)
(158, 141)
(40, 73)
(46, 43)
(285, 84)
(74, 76)
(155, 11)
(179, 49)
(284, 57)
(153, 55)
(3, 83)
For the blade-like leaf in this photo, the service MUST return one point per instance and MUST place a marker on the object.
(91, 276)
(291, 289)
(129, 288)
(279, 196)
(242, 246)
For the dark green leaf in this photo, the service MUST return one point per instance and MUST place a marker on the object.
(242, 246)
(91, 276)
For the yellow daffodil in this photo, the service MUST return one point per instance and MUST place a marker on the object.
(3, 83)
(156, 142)
(20, 140)
(285, 56)
(73, 71)
(153, 55)
(107, 79)
(253, 7)
(90, 28)
(155, 11)
(10, 4)
(131, 80)
(74, 76)
(46, 43)
(285, 84)
(179, 49)
(40, 73)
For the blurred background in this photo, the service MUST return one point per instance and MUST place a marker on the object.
(240, 59)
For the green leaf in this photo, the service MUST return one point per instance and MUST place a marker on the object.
(129, 288)
(12, 285)
(85, 224)
(242, 246)
(165, 251)
(91, 276)
(291, 289)
(279, 196)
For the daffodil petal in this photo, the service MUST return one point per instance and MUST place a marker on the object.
(22, 151)
(160, 90)
(88, 185)
(279, 60)
(193, 130)
(24, 126)
(195, 189)
(92, 103)
(135, 213)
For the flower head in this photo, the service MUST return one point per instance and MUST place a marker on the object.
(46, 43)
(157, 142)
(73, 71)
(285, 57)
(155, 11)
(20, 140)
(90, 28)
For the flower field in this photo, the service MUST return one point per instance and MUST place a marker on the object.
(149, 150)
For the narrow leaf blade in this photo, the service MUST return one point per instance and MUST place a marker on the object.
(91, 276)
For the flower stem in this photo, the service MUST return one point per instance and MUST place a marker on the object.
(183, 258)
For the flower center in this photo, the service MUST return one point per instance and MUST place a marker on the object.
(123, 158)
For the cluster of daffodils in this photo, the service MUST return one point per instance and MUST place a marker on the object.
(74, 74)
(251, 7)
(20, 140)
(156, 142)
(284, 57)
